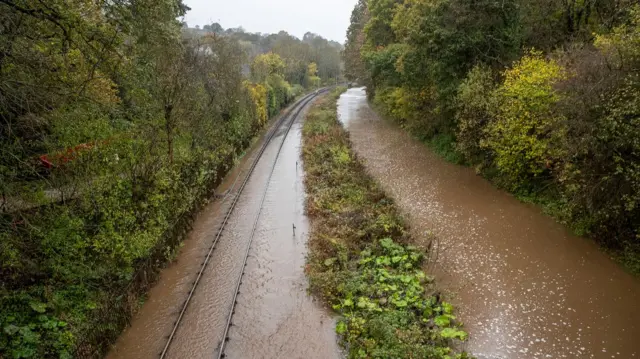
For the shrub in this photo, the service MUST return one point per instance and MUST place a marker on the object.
(526, 134)
(259, 97)
(279, 92)
(297, 90)
(414, 110)
(599, 180)
(476, 106)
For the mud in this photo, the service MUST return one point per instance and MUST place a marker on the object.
(274, 315)
(525, 287)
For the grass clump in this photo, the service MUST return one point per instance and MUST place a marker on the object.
(361, 261)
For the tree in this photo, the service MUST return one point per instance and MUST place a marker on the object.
(215, 28)
(354, 65)
(313, 80)
(527, 134)
(267, 65)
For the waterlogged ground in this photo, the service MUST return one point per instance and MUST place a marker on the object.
(524, 286)
(274, 317)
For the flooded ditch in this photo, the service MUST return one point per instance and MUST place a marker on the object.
(525, 287)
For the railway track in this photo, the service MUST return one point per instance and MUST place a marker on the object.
(291, 117)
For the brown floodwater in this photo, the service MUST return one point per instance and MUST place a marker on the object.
(524, 286)
(274, 317)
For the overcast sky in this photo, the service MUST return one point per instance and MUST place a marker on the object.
(329, 18)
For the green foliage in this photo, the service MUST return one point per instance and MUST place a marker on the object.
(378, 29)
(268, 69)
(354, 65)
(527, 132)
(382, 65)
(267, 65)
(556, 126)
(446, 38)
(622, 45)
(444, 144)
(475, 108)
(397, 103)
(296, 53)
(360, 261)
(609, 166)
(313, 80)
(139, 121)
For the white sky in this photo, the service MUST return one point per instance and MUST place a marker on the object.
(328, 18)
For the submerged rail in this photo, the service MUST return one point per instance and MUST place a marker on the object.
(295, 115)
(291, 117)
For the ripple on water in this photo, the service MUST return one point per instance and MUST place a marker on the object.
(524, 287)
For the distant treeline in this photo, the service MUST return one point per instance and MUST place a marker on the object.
(296, 53)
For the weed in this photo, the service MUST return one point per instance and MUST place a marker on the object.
(444, 144)
(361, 261)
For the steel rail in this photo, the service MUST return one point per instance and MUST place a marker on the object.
(225, 337)
(299, 105)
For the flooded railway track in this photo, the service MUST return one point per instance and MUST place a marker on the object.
(288, 120)
(201, 325)
(291, 120)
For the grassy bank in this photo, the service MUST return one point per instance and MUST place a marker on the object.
(361, 259)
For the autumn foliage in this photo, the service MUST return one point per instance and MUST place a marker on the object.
(539, 96)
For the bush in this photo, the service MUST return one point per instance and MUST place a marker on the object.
(476, 106)
(414, 110)
(599, 179)
(279, 93)
(527, 134)
(297, 90)
(259, 97)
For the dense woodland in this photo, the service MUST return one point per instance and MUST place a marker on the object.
(296, 53)
(116, 121)
(542, 97)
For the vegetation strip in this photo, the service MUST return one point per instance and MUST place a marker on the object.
(361, 259)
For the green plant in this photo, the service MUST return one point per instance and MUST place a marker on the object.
(527, 134)
(360, 260)
(476, 106)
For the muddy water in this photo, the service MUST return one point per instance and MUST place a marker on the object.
(524, 286)
(275, 317)
(274, 313)
(147, 335)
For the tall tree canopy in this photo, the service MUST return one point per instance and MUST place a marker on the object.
(540, 95)
(116, 120)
